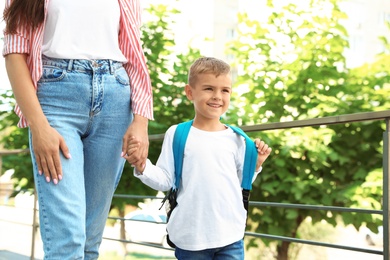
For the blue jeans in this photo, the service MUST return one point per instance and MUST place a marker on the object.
(233, 251)
(88, 103)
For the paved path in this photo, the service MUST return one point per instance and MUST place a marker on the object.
(16, 235)
(7, 255)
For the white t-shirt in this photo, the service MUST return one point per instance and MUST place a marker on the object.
(85, 29)
(210, 211)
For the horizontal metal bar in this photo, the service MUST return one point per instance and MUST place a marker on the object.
(15, 222)
(17, 207)
(315, 207)
(349, 118)
(331, 120)
(29, 191)
(13, 152)
(274, 204)
(136, 220)
(7, 190)
(310, 242)
(138, 243)
(156, 137)
(123, 196)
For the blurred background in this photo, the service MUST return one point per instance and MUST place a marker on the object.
(292, 60)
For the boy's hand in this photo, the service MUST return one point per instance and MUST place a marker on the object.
(133, 146)
(263, 152)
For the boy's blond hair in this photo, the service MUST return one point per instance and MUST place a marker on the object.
(207, 65)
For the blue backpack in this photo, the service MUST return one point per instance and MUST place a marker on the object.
(179, 142)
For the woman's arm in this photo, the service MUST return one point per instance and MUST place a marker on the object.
(46, 140)
(141, 89)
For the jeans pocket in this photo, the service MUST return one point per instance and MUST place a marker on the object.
(52, 74)
(122, 77)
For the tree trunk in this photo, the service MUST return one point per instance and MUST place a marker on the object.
(283, 248)
(283, 251)
(122, 231)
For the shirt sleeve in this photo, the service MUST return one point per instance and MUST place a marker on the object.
(161, 176)
(130, 43)
(256, 173)
(15, 43)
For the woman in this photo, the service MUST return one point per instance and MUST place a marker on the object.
(80, 80)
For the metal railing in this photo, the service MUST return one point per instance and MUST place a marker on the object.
(342, 119)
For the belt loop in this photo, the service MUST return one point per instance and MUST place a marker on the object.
(111, 66)
(70, 65)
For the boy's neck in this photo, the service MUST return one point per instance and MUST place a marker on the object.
(210, 125)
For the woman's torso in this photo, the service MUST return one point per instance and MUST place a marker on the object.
(85, 29)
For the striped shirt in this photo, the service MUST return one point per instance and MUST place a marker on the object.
(30, 42)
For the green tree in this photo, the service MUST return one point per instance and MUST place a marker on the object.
(291, 68)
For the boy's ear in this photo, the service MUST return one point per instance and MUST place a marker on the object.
(188, 90)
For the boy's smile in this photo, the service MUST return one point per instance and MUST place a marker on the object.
(214, 104)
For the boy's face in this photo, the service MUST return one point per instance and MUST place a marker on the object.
(210, 95)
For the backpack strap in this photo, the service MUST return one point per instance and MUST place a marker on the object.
(249, 160)
(179, 143)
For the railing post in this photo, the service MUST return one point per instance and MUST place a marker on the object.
(386, 187)
(34, 227)
(1, 164)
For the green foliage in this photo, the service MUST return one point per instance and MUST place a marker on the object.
(14, 138)
(291, 68)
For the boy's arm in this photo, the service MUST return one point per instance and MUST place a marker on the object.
(155, 177)
(160, 176)
(263, 152)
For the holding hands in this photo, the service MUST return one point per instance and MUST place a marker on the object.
(133, 147)
(136, 142)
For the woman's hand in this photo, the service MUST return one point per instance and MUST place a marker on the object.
(132, 147)
(47, 144)
(136, 133)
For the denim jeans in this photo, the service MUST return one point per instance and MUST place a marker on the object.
(233, 251)
(88, 103)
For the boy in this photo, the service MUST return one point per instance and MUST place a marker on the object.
(209, 220)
